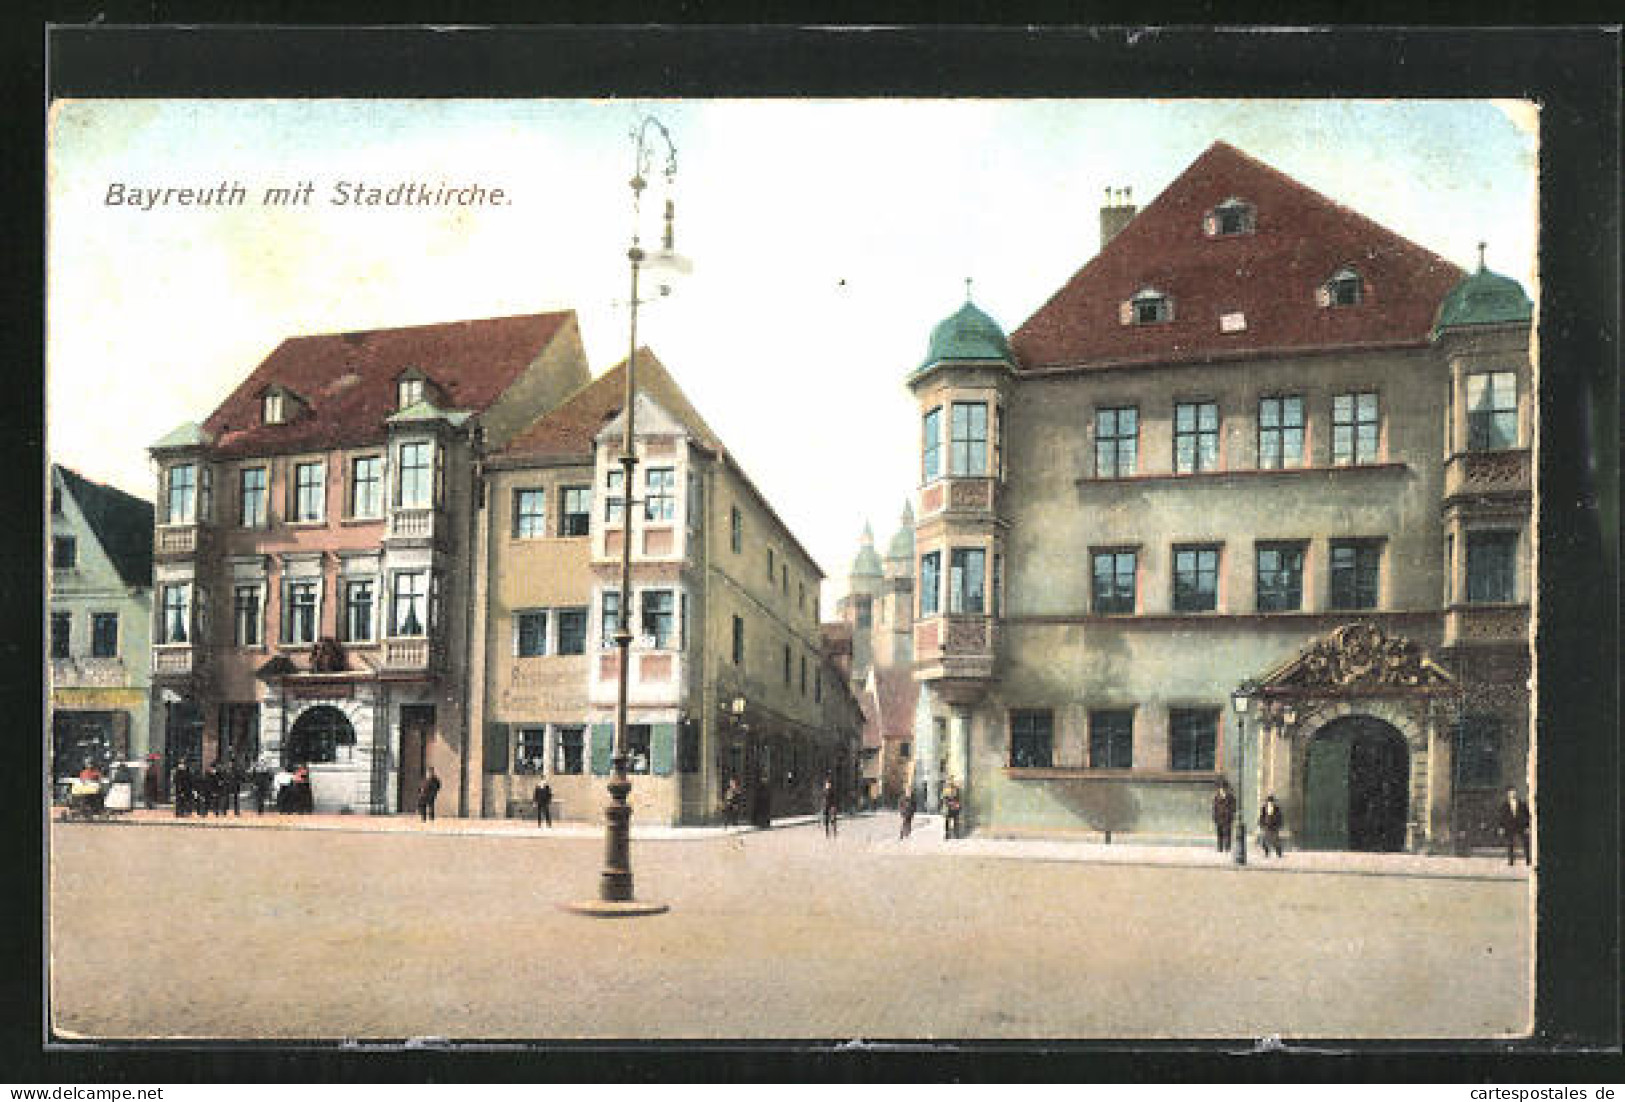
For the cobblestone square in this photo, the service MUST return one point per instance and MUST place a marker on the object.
(162, 931)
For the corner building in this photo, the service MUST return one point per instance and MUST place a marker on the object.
(1258, 440)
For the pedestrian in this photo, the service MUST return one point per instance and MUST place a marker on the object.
(1513, 821)
(950, 810)
(203, 790)
(180, 786)
(428, 792)
(1270, 821)
(832, 808)
(905, 808)
(231, 788)
(149, 783)
(732, 797)
(544, 804)
(1224, 814)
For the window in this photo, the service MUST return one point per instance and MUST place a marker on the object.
(1111, 739)
(180, 500)
(1196, 437)
(1193, 738)
(1196, 579)
(1280, 577)
(575, 510)
(308, 486)
(784, 579)
(1344, 288)
(414, 476)
(530, 634)
(1492, 567)
(410, 606)
(659, 617)
(272, 408)
(637, 748)
(367, 486)
(770, 567)
(530, 752)
(529, 509)
(1478, 752)
(64, 552)
(572, 630)
(931, 443)
(739, 641)
(818, 686)
(613, 504)
(787, 663)
(903, 750)
(1114, 581)
(408, 391)
(930, 583)
(1147, 307)
(1280, 432)
(1492, 410)
(1228, 219)
(104, 635)
(736, 530)
(174, 623)
(1032, 737)
(251, 494)
(967, 446)
(299, 612)
(864, 609)
(659, 499)
(998, 585)
(567, 750)
(1354, 429)
(1356, 574)
(967, 567)
(245, 615)
(804, 675)
(61, 634)
(610, 615)
(1117, 440)
(316, 736)
(358, 597)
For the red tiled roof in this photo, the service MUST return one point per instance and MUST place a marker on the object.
(1270, 276)
(347, 380)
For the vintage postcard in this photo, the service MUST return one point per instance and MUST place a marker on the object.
(929, 569)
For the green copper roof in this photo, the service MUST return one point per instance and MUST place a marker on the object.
(189, 435)
(902, 541)
(866, 561)
(1483, 298)
(967, 335)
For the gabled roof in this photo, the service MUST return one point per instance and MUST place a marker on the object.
(122, 524)
(1270, 276)
(348, 379)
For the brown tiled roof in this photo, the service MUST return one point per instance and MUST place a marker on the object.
(1270, 276)
(346, 381)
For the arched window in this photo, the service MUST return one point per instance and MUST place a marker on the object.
(1344, 288)
(1147, 307)
(316, 736)
(1228, 219)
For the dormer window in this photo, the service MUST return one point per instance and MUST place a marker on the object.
(409, 391)
(274, 410)
(1344, 288)
(1148, 307)
(1228, 219)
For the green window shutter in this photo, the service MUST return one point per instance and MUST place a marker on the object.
(663, 743)
(603, 748)
(496, 748)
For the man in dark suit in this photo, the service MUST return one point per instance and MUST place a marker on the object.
(428, 793)
(1224, 814)
(1513, 821)
(544, 803)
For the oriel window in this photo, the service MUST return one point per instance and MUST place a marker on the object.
(967, 575)
(659, 499)
(659, 617)
(411, 604)
(967, 448)
(931, 443)
(1492, 567)
(1492, 410)
(415, 476)
(180, 498)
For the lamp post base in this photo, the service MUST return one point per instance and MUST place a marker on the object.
(623, 908)
(1241, 845)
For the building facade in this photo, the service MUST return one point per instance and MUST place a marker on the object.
(312, 548)
(101, 612)
(1258, 443)
(728, 677)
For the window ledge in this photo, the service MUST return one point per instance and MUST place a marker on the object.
(1078, 773)
(319, 522)
(1240, 472)
(349, 522)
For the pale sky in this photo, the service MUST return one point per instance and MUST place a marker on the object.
(828, 237)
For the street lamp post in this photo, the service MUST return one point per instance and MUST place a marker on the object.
(615, 894)
(1240, 699)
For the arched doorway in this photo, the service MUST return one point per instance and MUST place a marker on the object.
(316, 736)
(1357, 787)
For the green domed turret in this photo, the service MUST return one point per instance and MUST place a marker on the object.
(968, 336)
(866, 563)
(1483, 298)
(902, 541)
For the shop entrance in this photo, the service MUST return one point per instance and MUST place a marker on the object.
(417, 729)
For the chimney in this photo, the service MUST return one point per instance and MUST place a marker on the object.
(1116, 214)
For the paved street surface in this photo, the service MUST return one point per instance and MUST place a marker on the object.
(347, 927)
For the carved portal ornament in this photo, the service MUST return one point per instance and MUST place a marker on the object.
(1362, 656)
(327, 656)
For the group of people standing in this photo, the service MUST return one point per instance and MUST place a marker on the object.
(217, 789)
(1271, 820)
